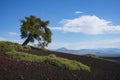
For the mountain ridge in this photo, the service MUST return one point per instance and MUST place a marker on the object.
(109, 52)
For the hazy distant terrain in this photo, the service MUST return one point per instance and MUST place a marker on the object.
(107, 53)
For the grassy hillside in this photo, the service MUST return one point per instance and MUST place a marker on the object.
(26, 63)
(10, 49)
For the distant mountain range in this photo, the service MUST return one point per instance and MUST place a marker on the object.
(107, 52)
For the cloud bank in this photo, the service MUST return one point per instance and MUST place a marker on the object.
(88, 24)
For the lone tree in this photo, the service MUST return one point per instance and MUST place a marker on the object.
(34, 28)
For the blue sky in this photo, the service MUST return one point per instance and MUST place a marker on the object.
(75, 24)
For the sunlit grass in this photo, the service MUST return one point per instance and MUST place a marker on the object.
(10, 49)
(51, 59)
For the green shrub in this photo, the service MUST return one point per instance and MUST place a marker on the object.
(91, 55)
(9, 46)
(44, 49)
(6, 47)
(37, 48)
(25, 56)
(19, 47)
(52, 55)
(10, 49)
(27, 47)
(51, 59)
(67, 64)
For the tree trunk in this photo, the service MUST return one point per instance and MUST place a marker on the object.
(41, 45)
(26, 41)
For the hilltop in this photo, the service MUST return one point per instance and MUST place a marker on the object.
(16, 69)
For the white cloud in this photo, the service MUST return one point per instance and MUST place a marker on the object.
(56, 28)
(88, 24)
(78, 12)
(12, 33)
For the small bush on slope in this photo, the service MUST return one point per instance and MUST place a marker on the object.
(66, 63)
(27, 47)
(91, 55)
(25, 56)
(51, 59)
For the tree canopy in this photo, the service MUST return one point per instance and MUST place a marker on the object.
(34, 28)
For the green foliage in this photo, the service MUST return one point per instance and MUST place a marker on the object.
(25, 56)
(66, 63)
(34, 28)
(27, 47)
(37, 48)
(20, 47)
(7, 46)
(52, 55)
(51, 59)
(91, 55)
(43, 49)
(10, 49)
